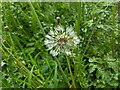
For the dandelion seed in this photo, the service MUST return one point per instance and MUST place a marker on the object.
(60, 40)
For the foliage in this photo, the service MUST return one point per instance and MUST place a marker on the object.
(27, 64)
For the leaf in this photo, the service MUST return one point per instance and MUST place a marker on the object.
(29, 50)
(30, 44)
(30, 76)
(92, 68)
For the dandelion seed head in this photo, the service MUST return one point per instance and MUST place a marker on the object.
(60, 40)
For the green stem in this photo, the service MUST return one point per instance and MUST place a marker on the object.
(62, 72)
(22, 67)
(1, 43)
(87, 45)
(112, 32)
(33, 10)
(73, 81)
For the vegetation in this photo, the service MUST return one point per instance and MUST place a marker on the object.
(26, 62)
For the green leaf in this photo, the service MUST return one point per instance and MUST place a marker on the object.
(29, 50)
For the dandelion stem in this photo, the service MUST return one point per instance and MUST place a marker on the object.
(73, 81)
(62, 72)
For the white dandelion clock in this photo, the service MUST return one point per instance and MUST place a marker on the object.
(60, 40)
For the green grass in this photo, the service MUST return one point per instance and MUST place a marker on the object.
(26, 63)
